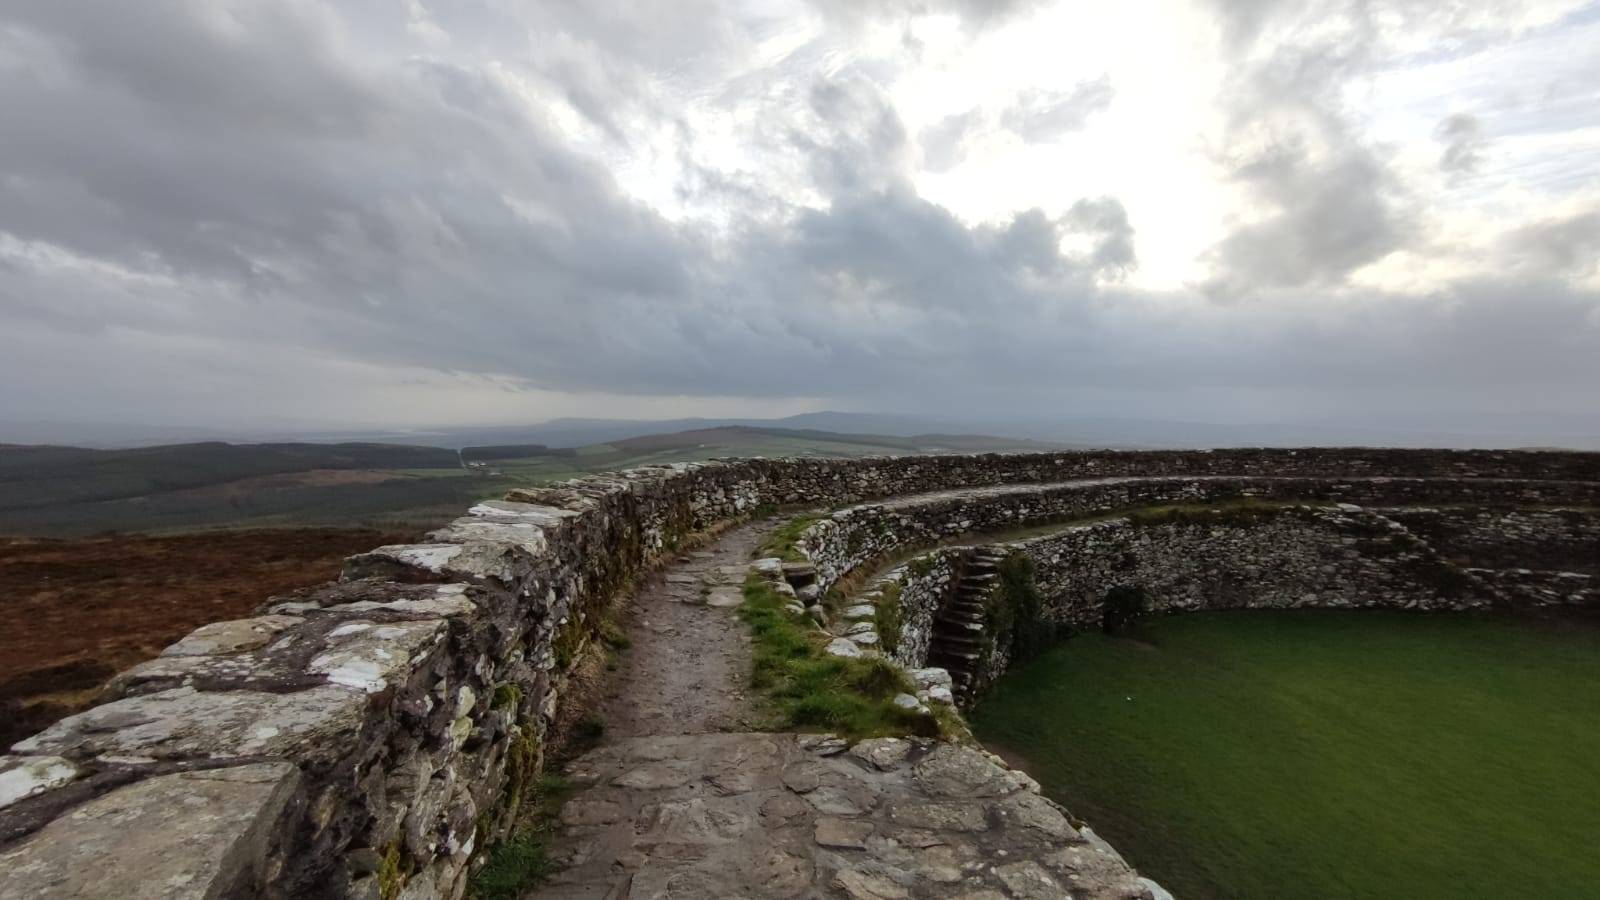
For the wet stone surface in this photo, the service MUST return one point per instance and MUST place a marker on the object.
(788, 815)
(689, 654)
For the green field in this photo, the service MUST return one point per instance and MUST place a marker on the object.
(1324, 754)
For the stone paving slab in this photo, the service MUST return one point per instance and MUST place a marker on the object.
(799, 816)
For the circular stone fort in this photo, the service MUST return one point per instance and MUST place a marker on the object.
(802, 634)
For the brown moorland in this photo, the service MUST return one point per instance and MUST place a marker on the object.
(74, 612)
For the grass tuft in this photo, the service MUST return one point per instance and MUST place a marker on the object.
(807, 689)
(784, 543)
(522, 861)
(516, 864)
(886, 618)
(614, 637)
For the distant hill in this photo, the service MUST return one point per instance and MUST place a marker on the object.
(736, 436)
(44, 475)
(52, 490)
(1052, 428)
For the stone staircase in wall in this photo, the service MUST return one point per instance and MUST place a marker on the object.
(958, 629)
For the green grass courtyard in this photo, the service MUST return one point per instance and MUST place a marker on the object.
(1322, 754)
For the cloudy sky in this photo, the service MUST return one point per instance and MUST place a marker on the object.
(406, 212)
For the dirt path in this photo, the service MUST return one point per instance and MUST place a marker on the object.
(688, 669)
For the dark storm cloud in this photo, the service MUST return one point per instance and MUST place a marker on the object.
(416, 202)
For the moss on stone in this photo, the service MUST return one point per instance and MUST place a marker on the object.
(1233, 513)
(393, 870)
(568, 643)
(507, 697)
(886, 618)
(1015, 610)
(524, 760)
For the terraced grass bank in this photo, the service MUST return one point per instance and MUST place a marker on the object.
(1325, 754)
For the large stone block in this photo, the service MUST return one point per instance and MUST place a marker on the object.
(473, 551)
(183, 723)
(233, 636)
(369, 655)
(191, 835)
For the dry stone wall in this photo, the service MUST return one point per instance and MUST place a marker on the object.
(1539, 557)
(857, 536)
(387, 721)
(1263, 557)
(1292, 558)
(918, 590)
(365, 738)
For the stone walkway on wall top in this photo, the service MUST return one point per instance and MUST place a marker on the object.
(680, 804)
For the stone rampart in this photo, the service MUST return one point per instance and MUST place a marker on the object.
(364, 738)
(1536, 557)
(855, 537)
(1256, 557)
